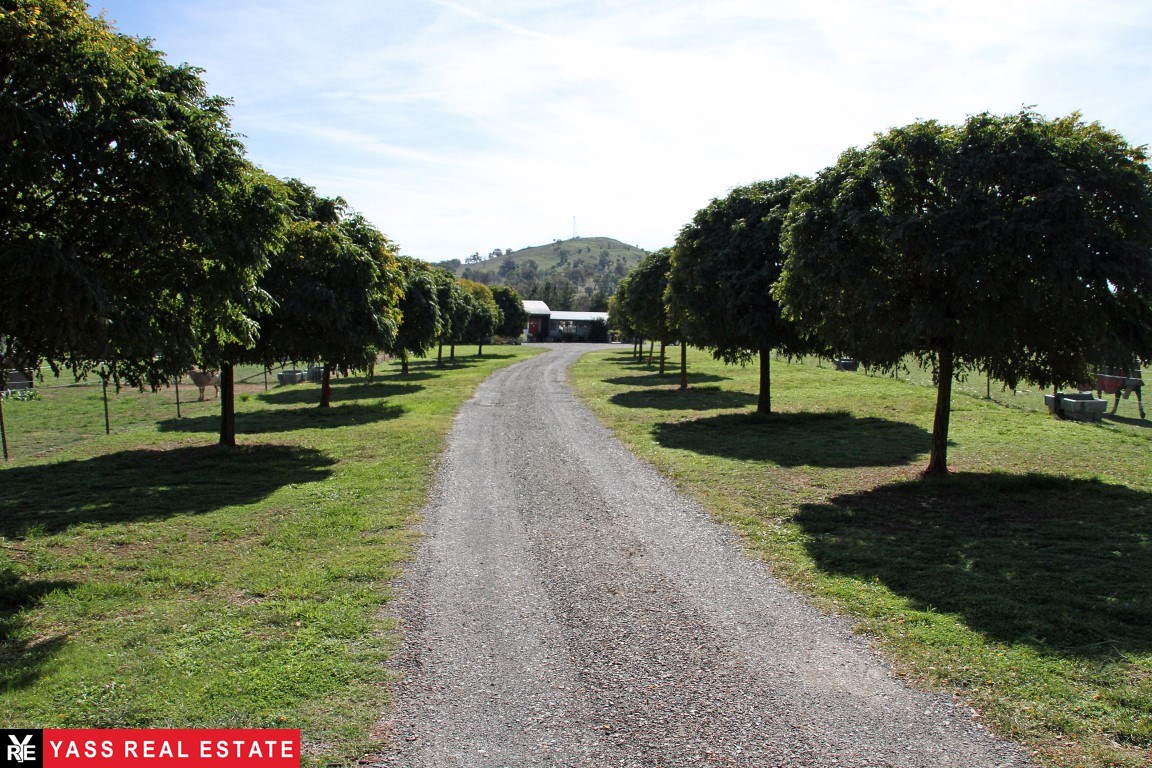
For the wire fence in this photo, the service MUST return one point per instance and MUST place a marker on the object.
(1025, 396)
(55, 413)
(62, 413)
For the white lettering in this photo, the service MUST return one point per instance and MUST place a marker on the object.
(107, 749)
(20, 751)
(130, 749)
(72, 751)
(55, 745)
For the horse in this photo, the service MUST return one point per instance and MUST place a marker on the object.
(1121, 381)
(205, 379)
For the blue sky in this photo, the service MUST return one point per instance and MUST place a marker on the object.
(467, 125)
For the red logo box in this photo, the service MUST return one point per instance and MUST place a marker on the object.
(171, 748)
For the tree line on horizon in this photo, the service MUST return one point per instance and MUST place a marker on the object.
(1016, 245)
(139, 242)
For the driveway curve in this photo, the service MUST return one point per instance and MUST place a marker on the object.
(568, 607)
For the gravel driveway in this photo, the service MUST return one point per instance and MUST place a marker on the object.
(569, 608)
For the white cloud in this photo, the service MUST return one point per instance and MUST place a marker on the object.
(465, 125)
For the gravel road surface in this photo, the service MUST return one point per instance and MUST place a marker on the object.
(568, 608)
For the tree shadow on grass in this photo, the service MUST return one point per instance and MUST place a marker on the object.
(421, 373)
(22, 658)
(835, 439)
(1058, 564)
(272, 421)
(465, 359)
(131, 486)
(627, 359)
(291, 395)
(692, 399)
(671, 377)
(460, 363)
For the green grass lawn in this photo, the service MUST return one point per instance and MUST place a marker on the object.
(153, 579)
(1023, 582)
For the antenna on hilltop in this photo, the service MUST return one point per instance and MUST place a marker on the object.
(573, 227)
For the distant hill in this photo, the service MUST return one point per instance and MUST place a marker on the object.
(575, 274)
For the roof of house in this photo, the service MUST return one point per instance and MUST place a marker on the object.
(586, 317)
(534, 307)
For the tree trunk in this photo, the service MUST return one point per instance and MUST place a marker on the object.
(651, 351)
(104, 387)
(452, 353)
(663, 347)
(683, 364)
(3, 428)
(326, 387)
(638, 349)
(938, 463)
(404, 362)
(228, 405)
(480, 349)
(440, 355)
(764, 399)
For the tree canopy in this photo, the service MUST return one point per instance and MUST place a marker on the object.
(483, 316)
(514, 318)
(1012, 244)
(124, 196)
(335, 285)
(723, 268)
(643, 296)
(640, 299)
(420, 322)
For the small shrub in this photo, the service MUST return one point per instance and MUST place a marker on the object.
(20, 394)
(598, 331)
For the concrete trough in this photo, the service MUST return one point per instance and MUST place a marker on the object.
(1079, 406)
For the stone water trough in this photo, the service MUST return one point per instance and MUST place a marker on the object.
(1079, 406)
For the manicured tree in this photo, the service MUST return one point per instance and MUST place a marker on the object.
(252, 218)
(723, 268)
(336, 289)
(419, 310)
(454, 307)
(484, 317)
(1010, 244)
(119, 175)
(515, 317)
(618, 317)
(463, 307)
(644, 299)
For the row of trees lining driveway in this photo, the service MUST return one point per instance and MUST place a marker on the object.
(138, 241)
(1017, 245)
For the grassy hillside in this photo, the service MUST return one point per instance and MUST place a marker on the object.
(554, 256)
(568, 274)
